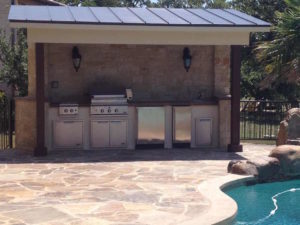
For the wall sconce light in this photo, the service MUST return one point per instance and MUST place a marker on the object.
(76, 57)
(187, 59)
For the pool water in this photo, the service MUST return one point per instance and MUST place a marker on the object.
(275, 203)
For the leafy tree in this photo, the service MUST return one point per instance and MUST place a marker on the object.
(255, 83)
(263, 9)
(108, 3)
(13, 58)
(281, 56)
(192, 3)
(218, 4)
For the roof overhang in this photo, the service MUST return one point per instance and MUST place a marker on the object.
(131, 34)
(48, 30)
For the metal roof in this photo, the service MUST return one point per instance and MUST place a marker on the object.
(133, 16)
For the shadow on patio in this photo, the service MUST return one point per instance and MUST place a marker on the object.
(79, 156)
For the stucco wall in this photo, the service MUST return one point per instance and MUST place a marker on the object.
(153, 72)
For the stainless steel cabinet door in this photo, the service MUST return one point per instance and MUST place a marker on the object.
(100, 134)
(118, 133)
(182, 124)
(68, 134)
(151, 125)
(203, 132)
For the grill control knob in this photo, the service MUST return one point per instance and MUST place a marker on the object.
(102, 110)
(116, 110)
(65, 110)
(71, 110)
(109, 110)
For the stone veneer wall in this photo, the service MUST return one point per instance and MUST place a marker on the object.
(222, 89)
(222, 71)
(153, 72)
(4, 9)
(163, 71)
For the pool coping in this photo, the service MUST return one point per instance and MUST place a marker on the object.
(223, 209)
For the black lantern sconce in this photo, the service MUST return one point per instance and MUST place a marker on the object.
(187, 59)
(76, 57)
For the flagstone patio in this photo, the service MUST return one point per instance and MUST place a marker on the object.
(110, 187)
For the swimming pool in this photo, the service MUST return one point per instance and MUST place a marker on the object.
(275, 203)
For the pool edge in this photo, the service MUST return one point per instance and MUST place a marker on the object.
(223, 209)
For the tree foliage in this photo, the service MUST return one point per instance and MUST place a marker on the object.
(149, 3)
(13, 58)
(108, 3)
(281, 56)
(256, 82)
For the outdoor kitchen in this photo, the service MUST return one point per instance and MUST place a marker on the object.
(138, 104)
(105, 78)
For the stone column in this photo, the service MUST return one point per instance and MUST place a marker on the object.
(222, 92)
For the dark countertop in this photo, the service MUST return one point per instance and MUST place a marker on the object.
(173, 102)
(144, 103)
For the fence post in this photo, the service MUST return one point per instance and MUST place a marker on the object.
(10, 123)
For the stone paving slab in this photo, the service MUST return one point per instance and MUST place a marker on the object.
(110, 187)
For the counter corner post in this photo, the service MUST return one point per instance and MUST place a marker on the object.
(40, 149)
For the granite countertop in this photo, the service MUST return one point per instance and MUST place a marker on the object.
(210, 101)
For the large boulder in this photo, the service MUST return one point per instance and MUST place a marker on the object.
(241, 168)
(264, 168)
(267, 167)
(289, 158)
(289, 130)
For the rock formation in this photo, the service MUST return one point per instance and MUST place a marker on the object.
(283, 162)
(289, 130)
(289, 158)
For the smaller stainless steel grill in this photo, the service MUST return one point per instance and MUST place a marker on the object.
(68, 109)
(109, 105)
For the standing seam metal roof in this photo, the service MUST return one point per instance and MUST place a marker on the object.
(132, 16)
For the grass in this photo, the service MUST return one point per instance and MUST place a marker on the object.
(263, 142)
(255, 130)
(4, 139)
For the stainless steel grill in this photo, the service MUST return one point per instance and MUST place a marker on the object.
(109, 105)
(68, 109)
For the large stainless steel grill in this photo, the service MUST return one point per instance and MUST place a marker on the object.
(109, 105)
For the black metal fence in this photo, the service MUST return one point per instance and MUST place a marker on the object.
(260, 119)
(6, 123)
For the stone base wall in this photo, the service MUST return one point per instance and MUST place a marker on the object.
(25, 120)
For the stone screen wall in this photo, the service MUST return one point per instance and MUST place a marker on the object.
(153, 72)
